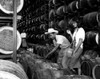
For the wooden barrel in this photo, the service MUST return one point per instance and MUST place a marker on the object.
(92, 38)
(93, 3)
(52, 14)
(58, 2)
(91, 19)
(42, 27)
(6, 40)
(7, 5)
(61, 10)
(72, 7)
(88, 3)
(13, 69)
(62, 24)
(8, 75)
(96, 71)
(87, 67)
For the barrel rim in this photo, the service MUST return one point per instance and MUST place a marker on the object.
(97, 17)
(77, 4)
(97, 38)
(19, 40)
(18, 10)
(93, 70)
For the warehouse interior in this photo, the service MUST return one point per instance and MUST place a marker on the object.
(25, 48)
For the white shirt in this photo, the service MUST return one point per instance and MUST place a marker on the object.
(79, 33)
(62, 40)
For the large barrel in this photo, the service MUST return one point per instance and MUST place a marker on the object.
(6, 40)
(87, 67)
(96, 71)
(62, 24)
(7, 6)
(8, 75)
(61, 10)
(12, 70)
(58, 2)
(91, 19)
(92, 38)
(72, 7)
(52, 14)
(88, 3)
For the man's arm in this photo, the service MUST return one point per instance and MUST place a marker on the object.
(53, 50)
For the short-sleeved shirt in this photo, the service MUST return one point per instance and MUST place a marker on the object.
(62, 40)
(79, 33)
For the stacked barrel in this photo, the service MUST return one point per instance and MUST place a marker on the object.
(34, 21)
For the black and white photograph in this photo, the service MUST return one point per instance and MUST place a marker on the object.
(49, 39)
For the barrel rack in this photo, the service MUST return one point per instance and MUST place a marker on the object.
(14, 21)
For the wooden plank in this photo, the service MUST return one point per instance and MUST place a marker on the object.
(18, 17)
(15, 31)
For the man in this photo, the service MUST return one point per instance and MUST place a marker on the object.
(24, 43)
(58, 41)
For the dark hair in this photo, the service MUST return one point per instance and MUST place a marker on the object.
(75, 20)
(72, 21)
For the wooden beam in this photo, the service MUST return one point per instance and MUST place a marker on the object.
(18, 17)
(15, 31)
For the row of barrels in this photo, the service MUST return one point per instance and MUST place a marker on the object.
(73, 6)
(90, 65)
(34, 21)
(89, 20)
(37, 39)
(39, 68)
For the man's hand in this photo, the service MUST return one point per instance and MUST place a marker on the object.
(52, 51)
